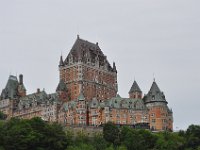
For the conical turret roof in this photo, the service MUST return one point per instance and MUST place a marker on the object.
(135, 88)
(155, 94)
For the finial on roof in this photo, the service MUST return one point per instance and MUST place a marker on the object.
(114, 67)
(154, 77)
(77, 36)
(97, 43)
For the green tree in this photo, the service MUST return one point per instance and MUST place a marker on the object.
(131, 138)
(2, 116)
(168, 140)
(32, 134)
(99, 142)
(148, 139)
(122, 147)
(193, 136)
(19, 133)
(70, 136)
(111, 133)
(81, 137)
(81, 146)
(2, 133)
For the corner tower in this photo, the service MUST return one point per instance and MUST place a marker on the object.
(87, 68)
(160, 116)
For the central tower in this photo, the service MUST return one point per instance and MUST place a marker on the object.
(87, 70)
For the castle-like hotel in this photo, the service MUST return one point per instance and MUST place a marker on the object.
(87, 95)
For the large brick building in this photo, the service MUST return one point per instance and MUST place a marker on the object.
(87, 95)
(86, 68)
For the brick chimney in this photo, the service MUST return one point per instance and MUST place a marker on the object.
(38, 90)
(20, 79)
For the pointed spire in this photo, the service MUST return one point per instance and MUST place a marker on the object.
(114, 67)
(135, 88)
(154, 87)
(154, 79)
(61, 63)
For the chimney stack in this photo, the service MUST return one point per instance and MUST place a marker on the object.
(20, 79)
(38, 90)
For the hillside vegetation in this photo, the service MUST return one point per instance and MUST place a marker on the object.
(35, 134)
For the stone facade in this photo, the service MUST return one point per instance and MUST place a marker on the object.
(87, 95)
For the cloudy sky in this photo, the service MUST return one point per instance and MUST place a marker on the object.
(143, 37)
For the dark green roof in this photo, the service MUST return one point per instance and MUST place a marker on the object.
(155, 94)
(135, 88)
(11, 89)
(125, 103)
(39, 98)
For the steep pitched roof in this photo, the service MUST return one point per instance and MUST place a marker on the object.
(135, 88)
(83, 50)
(155, 94)
(10, 91)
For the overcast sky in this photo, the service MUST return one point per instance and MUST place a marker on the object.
(143, 37)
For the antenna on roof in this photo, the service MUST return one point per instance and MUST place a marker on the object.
(77, 30)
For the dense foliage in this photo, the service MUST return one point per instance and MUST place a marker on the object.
(2, 116)
(35, 134)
